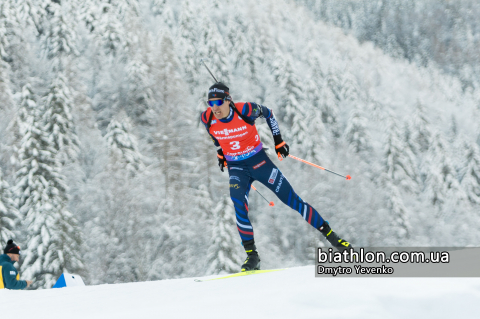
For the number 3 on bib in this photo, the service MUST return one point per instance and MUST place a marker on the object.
(235, 145)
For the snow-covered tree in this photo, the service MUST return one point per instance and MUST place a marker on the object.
(350, 91)
(53, 239)
(356, 132)
(329, 107)
(441, 183)
(7, 27)
(223, 255)
(59, 126)
(316, 127)
(158, 6)
(108, 28)
(400, 163)
(123, 146)
(139, 100)
(5, 18)
(189, 42)
(9, 216)
(60, 37)
(291, 105)
(470, 172)
(421, 134)
(164, 12)
(401, 227)
(5, 87)
(242, 50)
(213, 48)
(33, 13)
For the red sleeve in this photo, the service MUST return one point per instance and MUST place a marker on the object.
(205, 115)
(242, 107)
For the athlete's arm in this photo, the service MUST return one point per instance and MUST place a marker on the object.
(204, 119)
(252, 111)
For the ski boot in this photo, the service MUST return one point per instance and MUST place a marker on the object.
(333, 238)
(253, 260)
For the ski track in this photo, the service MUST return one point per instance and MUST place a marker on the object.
(293, 293)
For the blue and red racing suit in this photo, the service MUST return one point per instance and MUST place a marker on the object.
(248, 162)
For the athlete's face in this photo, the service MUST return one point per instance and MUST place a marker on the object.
(221, 111)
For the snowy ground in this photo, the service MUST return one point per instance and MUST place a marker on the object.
(293, 293)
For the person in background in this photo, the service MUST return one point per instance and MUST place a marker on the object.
(9, 276)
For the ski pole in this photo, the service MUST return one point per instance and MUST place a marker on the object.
(348, 177)
(271, 204)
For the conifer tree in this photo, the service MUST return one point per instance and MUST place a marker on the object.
(58, 119)
(292, 108)
(262, 42)
(60, 37)
(329, 108)
(356, 132)
(470, 172)
(315, 124)
(33, 13)
(5, 16)
(421, 134)
(109, 29)
(242, 50)
(400, 177)
(164, 11)
(172, 132)
(212, 47)
(350, 90)
(334, 81)
(53, 238)
(139, 101)
(400, 163)
(158, 7)
(5, 87)
(7, 26)
(401, 226)
(9, 216)
(123, 146)
(189, 42)
(441, 183)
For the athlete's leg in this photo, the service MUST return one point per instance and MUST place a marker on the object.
(269, 175)
(240, 183)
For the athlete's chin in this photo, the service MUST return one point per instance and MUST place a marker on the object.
(219, 116)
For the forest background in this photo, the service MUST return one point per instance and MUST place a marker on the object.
(107, 171)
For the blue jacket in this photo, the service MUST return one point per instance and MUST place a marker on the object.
(10, 275)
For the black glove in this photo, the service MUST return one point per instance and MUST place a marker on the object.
(281, 148)
(222, 162)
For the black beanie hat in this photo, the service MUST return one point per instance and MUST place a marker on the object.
(11, 248)
(218, 90)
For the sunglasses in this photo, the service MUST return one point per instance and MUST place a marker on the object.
(215, 102)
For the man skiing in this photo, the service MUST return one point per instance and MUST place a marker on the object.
(9, 277)
(232, 129)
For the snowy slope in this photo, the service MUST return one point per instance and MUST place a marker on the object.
(293, 293)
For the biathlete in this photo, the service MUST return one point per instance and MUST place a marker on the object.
(233, 131)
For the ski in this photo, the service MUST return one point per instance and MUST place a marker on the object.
(239, 274)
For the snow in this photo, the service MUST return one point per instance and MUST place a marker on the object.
(292, 293)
